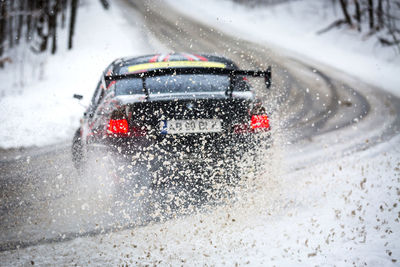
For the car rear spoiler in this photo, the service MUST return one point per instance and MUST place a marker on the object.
(177, 71)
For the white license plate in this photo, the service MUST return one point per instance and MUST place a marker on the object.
(190, 126)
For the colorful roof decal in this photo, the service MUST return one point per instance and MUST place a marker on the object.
(188, 57)
(200, 57)
(161, 57)
(167, 57)
(175, 64)
(154, 59)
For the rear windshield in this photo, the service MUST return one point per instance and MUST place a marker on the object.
(186, 83)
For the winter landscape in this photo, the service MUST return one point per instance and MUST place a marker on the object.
(327, 192)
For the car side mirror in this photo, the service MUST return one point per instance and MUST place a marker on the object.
(79, 97)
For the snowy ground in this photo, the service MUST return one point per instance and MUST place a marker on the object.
(338, 214)
(291, 29)
(43, 112)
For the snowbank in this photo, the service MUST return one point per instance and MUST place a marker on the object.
(43, 112)
(292, 28)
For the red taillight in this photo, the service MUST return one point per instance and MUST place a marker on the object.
(259, 122)
(118, 127)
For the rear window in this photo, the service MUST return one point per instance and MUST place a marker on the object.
(129, 87)
(187, 83)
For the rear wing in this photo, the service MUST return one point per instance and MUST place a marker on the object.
(266, 74)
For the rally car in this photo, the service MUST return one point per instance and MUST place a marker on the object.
(178, 107)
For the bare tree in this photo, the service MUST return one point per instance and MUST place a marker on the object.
(53, 24)
(382, 17)
(105, 4)
(20, 20)
(30, 7)
(391, 25)
(379, 14)
(10, 24)
(371, 14)
(64, 4)
(358, 14)
(2, 29)
(36, 23)
(74, 6)
(343, 4)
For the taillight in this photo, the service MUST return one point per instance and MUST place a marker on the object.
(118, 127)
(259, 122)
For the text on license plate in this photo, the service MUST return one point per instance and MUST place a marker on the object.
(190, 126)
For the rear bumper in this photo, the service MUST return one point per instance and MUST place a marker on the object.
(188, 147)
(177, 159)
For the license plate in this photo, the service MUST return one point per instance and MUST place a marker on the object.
(190, 126)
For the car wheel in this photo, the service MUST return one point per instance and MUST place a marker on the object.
(77, 151)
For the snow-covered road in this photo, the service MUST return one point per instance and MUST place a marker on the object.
(330, 196)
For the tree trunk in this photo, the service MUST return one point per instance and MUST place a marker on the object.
(347, 17)
(371, 14)
(10, 24)
(358, 14)
(391, 25)
(63, 16)
(43, 25)
(379, 14)
(21, 10)
(30, 9)
(2, 29)
(105, 4)
(53, 22)
(74, 5)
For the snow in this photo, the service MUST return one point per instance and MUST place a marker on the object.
(43, 112)
(291, 28)
(341, 213)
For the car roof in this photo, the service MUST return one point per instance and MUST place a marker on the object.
(170, 60)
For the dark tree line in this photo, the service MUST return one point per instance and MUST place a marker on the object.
(35, 22)
(381, 17)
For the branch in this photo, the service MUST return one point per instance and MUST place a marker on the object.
(386, 42)
(331, 26)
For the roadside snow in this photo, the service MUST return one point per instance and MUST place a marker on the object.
(43, 112)
(292, 28)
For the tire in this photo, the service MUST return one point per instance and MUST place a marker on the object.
(77, 151)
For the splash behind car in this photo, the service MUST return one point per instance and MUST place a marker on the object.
(162, 108)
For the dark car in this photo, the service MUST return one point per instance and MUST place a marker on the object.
(161, 109)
